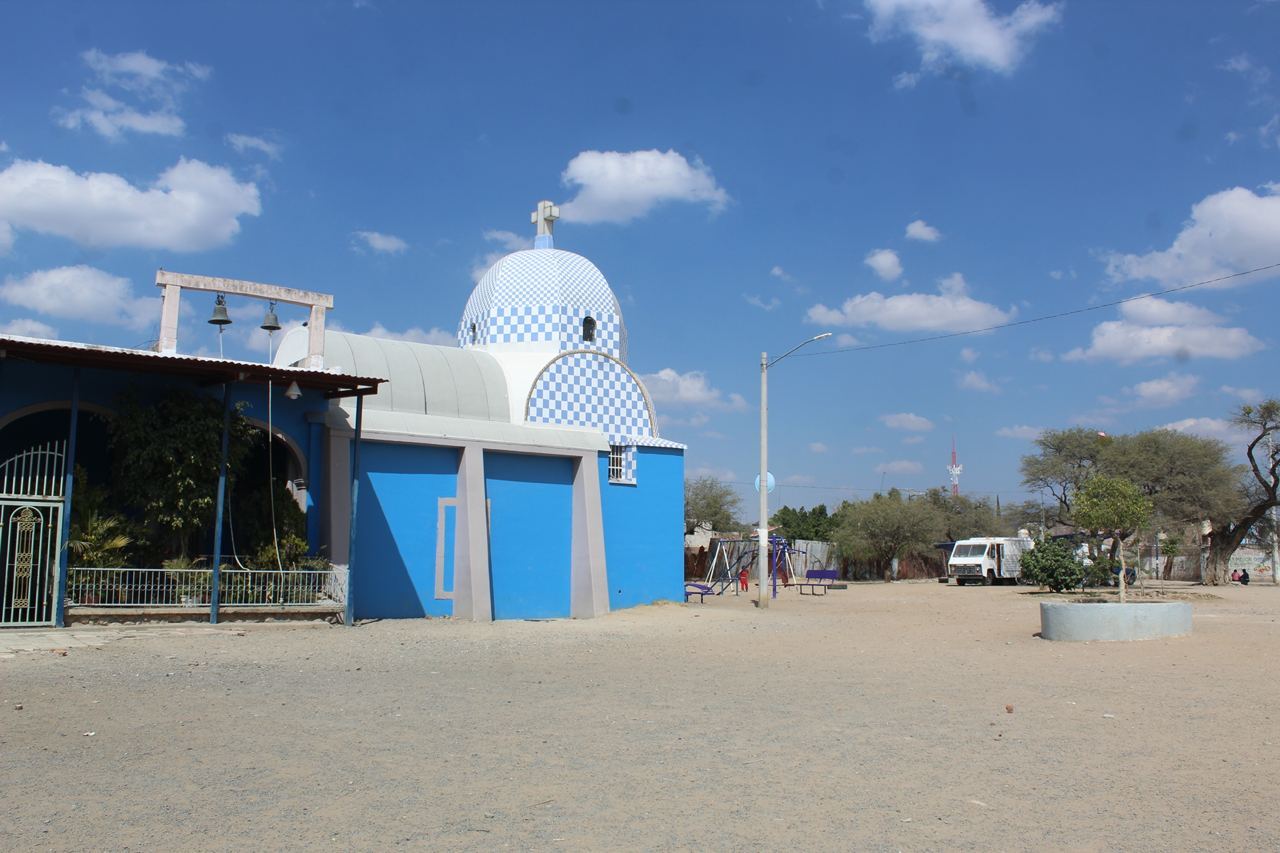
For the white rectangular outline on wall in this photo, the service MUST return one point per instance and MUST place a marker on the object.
(443, 594)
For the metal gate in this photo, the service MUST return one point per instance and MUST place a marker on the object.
(31, 489)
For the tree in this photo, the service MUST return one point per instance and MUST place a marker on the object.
(710, 503)
(165, 452)
(811, 524)
(885, 528)
(963, 516)
(1188, 478)
(1110, 505)
(1053, 563)
(1258, 493)
(1066, 459)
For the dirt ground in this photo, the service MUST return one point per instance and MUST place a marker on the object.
(874, 718)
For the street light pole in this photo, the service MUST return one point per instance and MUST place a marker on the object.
(762, 557)
(1275, 534)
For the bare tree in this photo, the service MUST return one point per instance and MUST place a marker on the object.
(1260, 487)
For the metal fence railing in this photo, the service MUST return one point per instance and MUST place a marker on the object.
(142, 588)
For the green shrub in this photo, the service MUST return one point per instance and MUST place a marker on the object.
(1054, 564)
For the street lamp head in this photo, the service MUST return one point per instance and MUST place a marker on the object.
(821, 336)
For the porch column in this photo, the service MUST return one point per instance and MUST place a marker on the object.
(472, 598)
(349, 618)
(589, 577)
(217, 515)
(69, 478)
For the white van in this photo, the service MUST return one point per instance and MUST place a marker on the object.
(988, 559)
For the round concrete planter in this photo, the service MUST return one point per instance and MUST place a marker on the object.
(1084, 621)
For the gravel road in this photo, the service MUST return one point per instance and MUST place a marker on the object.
(882, 717)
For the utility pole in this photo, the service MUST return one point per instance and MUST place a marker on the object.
(1275, 542)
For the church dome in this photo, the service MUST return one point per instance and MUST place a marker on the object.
(543, 300)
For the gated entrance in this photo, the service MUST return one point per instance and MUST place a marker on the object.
(31, 489)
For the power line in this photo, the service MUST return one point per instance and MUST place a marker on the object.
(1040, 319)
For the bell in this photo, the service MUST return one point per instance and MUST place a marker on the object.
(270, 323)
(220, 317)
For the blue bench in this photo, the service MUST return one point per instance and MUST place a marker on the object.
(699, 589)
(817, 579)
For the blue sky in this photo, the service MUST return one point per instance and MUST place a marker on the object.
(746, 175)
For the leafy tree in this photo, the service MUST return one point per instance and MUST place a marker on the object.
(1066, 459)
(963, 516)
(165, 453)
(1053, 563)
(887, 527)
(1258, 492)
(709, 502)
(1187, 478)
(811, 524)
(1110, 505)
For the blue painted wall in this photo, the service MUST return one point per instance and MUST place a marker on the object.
(644, 529)
(395, 559)
(530, 534)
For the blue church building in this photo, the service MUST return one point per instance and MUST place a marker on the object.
(517, 475)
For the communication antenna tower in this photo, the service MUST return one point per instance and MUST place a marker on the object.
(955, 469)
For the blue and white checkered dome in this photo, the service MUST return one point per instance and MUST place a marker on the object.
(539, 300)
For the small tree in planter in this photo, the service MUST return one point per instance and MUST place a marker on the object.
(1112, 506)
(97, 542)
(1053, 564)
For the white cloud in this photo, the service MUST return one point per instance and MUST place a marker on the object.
(1269, 133)
(415, 334)
(779, 272)
(1154, 311)
(1249, 395)
(242, 142)
(1027, 433)
(844, 339)
(961, 32)
(1126, 343)
(975, 380)
(952, 310)
(727, 475)
(817, 447)
(156, 83)
(1219, 428)
(508, 240)
(759, 302)
(28, 328)
(81, 293)
(110, 118)
(190, 207)
(1243, 64)
(1164, 391)
(4, 147)
(1041, 355)
(885, 262)
(921, 230)
(619, 186)
(968, 355)
(386, 243)
(899, 466)
(1228, 231)
(913, 439)
(907, 421)
(692, 388)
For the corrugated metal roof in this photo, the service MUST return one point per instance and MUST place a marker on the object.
(204, 367)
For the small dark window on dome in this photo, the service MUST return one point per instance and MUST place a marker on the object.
(473, 333)
(588, 328)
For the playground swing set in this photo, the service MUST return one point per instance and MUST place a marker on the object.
(733, 562)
